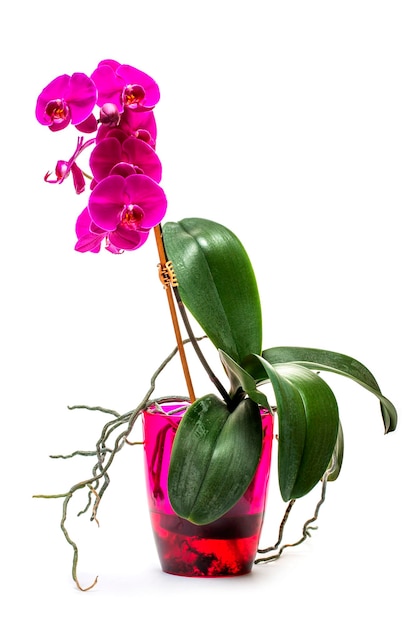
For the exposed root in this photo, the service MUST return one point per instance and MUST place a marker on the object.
(306, 528)
(95, 507)
(281, 530)
(120, 427)
(93, 584)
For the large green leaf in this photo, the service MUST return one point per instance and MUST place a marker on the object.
(308, 425)
(214, 458)
(337, 363)
(216, 283)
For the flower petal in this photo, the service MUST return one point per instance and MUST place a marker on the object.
(53, 91)
(89, 125)
(107, 201)
(132, 76)
(126, 239)
(141, 124)
(81, 96)
(141, 154)
(88, 241)
(78, 178)
(105, 156)
(109, 86)
(146, 193)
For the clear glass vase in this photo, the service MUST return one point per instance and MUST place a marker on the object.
(226, 547)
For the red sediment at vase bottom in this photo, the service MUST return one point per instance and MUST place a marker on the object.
(225, 547)
(222, 548)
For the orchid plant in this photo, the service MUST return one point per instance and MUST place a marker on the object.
(208, 277)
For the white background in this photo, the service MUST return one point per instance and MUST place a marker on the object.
(293, 123)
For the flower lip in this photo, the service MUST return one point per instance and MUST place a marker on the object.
(131, 217)
(133, 96)
(57, 111)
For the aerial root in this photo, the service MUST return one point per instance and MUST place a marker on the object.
(306, 528)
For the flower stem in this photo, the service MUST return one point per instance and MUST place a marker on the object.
(226, 397)
(168, 289)
(173, 287)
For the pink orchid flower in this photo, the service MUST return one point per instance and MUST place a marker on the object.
(68, 99)
(117, 148)
(124, 86)
(127, 208)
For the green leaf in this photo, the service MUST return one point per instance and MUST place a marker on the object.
(214, 458)
(241, 379)
(308, 424)
(216, 283)
(339, 364)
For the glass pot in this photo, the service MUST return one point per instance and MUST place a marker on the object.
(225, 547)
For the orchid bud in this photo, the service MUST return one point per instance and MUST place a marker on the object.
(109, 114)
(62, 170)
